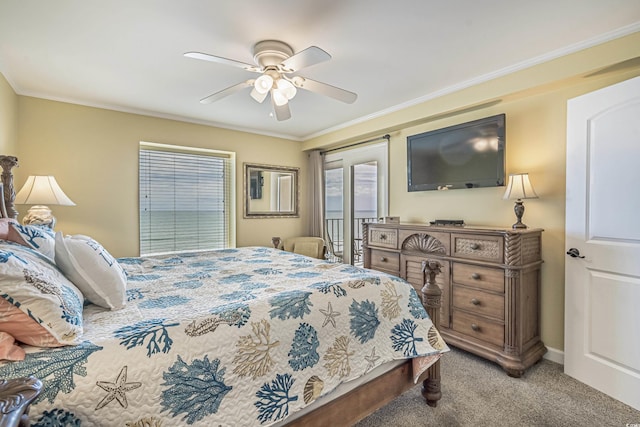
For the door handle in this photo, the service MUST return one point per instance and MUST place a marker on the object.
(574, 253)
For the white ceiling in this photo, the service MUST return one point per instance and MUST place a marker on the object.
(127, 55)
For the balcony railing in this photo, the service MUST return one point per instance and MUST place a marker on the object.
(335, 234)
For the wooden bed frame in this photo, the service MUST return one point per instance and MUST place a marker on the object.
(344, 411)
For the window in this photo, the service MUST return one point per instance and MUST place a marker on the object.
(186, 199)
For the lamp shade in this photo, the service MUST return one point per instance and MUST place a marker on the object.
(258, 96)
(279, 98)
(287, 89)
(42, 190)
(263, 84)
(519, 187)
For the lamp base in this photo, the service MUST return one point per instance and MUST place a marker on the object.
(519, 210)
(39, 215)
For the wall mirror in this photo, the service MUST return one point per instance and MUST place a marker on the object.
(270, 191)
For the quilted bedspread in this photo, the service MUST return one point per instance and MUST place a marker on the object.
(235, 337)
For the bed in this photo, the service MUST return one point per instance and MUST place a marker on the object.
(243, 336)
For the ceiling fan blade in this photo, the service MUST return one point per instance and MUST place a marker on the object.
(325, 89)
(225, 92)
(221, 60)
(282, 112)
(305, 58)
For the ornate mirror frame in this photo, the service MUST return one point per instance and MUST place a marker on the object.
(270, 191)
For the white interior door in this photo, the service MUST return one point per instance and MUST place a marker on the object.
(602, 278)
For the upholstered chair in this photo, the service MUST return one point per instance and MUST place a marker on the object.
(309, 246)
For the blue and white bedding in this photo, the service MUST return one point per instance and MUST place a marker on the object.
(236, 337)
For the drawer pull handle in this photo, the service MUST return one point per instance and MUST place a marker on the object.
(474, 301)
(475, 246)
(383, 259)
(383, 237)
(475, 327)
(475, 276)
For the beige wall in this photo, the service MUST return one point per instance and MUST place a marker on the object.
(534, 101)
(8, 118)
(93, 153)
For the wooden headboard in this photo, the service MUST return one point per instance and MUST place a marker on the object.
(7, 206)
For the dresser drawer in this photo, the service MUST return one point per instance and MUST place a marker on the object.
(478, 302)
(478, 327)
(383, 237)
(385, 260)
(486, 248)
(480, 277)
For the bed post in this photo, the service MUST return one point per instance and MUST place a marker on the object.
(15, 397)
(431, 298)
(7, 163)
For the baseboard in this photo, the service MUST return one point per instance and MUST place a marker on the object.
(554, 355)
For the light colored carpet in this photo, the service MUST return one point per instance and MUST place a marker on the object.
(476, 392)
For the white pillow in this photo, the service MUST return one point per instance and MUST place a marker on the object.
(92, 269)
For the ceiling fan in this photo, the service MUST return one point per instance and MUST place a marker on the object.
(277, 63)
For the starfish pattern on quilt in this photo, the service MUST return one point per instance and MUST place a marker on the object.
(371, 360)
(330, 315)
(117, 390)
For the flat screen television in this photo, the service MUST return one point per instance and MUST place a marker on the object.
(468, 155)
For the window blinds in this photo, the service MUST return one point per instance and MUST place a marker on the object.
(184, 200)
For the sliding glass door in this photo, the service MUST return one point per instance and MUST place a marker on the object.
(356, 183)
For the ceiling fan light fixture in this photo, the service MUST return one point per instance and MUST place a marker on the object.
(279, 98)
(263, 84)
(287, 89)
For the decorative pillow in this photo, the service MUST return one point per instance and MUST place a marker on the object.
(23, 328)
(9, 350)
(36, 237)
(92, 269)
(37, 288)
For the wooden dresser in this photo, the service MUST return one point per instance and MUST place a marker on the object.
(490, 284)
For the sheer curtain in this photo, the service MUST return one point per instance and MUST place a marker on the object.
(316, 194)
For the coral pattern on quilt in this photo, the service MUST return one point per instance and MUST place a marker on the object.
(226, 338)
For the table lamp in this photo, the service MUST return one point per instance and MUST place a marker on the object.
(41, 191)
(519, 187)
